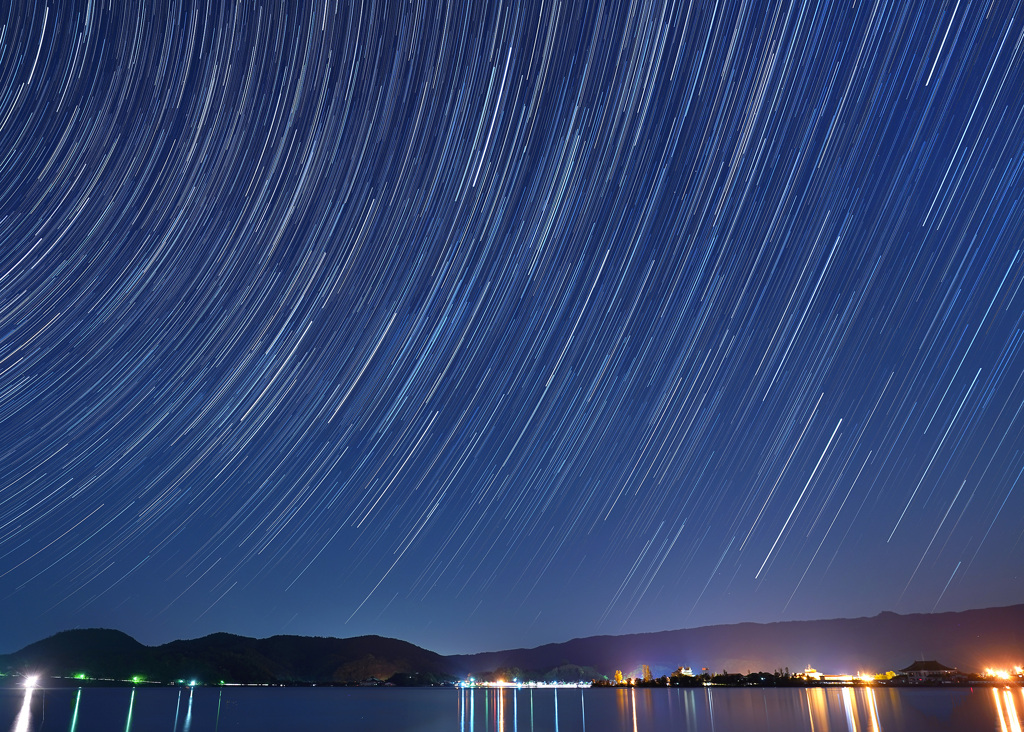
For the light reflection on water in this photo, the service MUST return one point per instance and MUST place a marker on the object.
(841, 709)
(858, 706)
(501, 710)
(188, 714)
(1006, 708)
(131, 706)
(74, 713)
(23, 722)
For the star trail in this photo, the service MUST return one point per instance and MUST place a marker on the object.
(491, 324)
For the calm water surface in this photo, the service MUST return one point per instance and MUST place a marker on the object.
(523, 710)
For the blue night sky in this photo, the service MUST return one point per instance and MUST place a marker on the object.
(485, 325)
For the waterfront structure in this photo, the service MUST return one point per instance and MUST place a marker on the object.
(928, 671)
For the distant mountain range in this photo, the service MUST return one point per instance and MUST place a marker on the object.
(111, 654)
(970, 640)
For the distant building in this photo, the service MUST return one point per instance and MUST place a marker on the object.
(810, 674)
(813, 674)
(683, 671)
(928, 671)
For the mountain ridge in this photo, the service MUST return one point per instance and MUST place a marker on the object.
(886, 641)
(225, 657)
(970, 640)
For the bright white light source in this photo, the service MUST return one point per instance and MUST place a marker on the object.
(31, 682)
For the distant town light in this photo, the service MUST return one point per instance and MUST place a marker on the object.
(472, 683)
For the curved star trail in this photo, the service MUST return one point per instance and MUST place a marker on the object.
(492, 324)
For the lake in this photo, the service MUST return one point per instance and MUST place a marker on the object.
(212, 709)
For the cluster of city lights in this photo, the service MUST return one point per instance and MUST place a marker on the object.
(472, 683)
(997, 674)
(812, 674)
(32, 680)
(1003, 674)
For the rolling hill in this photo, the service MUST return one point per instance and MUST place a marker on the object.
(970, 640)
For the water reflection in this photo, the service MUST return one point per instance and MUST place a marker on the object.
(823, 709)
(648, 709)
(177, 711)
(1006, 709)
(827, 709)
(188, 712)
(131, 706)
(23, 722)
(872, 707)
(861, 709)
(817, 709)
(74, 712)
(501, 710)
(830, 709)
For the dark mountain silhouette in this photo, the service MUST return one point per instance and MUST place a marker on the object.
(970, 641)
(293, 658)
(110, 654)
(98, 653)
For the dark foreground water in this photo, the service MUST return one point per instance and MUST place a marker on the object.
(509, 710)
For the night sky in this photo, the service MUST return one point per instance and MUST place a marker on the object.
(484, 325)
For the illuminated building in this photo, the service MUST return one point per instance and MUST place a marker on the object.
(928, 671)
